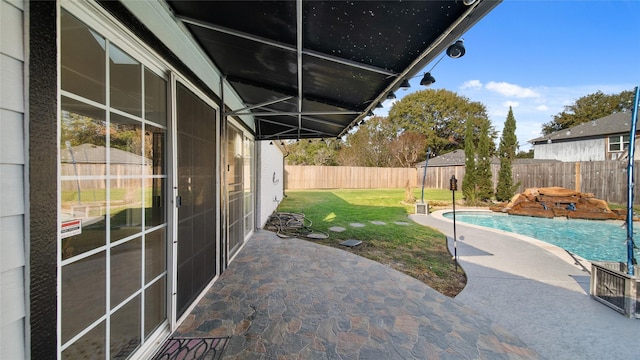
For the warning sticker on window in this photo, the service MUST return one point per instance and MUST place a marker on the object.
(71, 228)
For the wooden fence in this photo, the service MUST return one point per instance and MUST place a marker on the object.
(607, 180)
(348, 177)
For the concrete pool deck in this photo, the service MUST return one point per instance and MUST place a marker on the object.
(537, 291)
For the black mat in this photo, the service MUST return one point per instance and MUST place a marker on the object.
(192, 349)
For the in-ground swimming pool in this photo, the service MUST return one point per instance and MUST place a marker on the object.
(593, 240)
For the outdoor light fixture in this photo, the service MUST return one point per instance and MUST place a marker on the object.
(379, 106)
(391, 96)
(468, 2)
(370, 113)
(456, 50)
(427, 80)
(270, 142)
(405, 84)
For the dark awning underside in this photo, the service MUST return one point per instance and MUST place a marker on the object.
(309, 69)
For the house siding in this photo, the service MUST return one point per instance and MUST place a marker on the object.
(580, 150)
(13, 309)
(270, 187)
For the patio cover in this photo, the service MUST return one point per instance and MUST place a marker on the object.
(314, 69)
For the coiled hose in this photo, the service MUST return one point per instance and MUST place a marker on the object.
(293, 225)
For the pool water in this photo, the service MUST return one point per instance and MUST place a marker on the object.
(593, 240)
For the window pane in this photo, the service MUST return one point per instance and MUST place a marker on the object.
(83, 59)
(90, 346)
(83, 294)
(126, 270)
(126, 146)
(125, 170)
(83, 128)
(155, 308)
(154, 188)
(83, 154)
(155, 97)
(125, 329)
(155, 254)
(126, 210)
(88, 205)
(126, 82)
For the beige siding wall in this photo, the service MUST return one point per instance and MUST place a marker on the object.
(13, 301)
(582, 150)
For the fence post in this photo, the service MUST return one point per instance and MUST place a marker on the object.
(578, 185)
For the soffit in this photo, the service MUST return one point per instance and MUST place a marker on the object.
(309, 69)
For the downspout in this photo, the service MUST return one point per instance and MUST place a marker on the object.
(284, 172)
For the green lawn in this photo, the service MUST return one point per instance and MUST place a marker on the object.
(413, 249)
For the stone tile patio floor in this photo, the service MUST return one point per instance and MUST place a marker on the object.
(293, 299)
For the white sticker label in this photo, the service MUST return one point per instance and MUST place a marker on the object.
(71, 228)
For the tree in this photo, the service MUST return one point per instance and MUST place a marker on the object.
(369, 145)
(484, 180)
(440, 115)
(313, 152)
(525, 154)
(78, 129)
(507, 152)
(408, 148)
(469, 190)
(589, 107)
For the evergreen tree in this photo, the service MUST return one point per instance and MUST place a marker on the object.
(469, 181)
(507, 152)
(484, 179)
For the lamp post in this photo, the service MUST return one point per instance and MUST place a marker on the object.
(631, 261)
(453, 186)
(424, 174)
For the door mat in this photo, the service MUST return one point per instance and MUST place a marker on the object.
(192, 349)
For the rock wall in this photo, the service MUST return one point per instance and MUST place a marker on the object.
(550, 202)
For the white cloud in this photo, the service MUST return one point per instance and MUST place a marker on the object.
(513, 90)
(471, 84)
(542, 108)
(513, 104)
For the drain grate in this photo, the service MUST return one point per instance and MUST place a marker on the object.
(192, 349)
(351, 242)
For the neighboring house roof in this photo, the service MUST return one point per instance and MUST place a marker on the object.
(457, 158)
(93, 154)
(454, 158)
(617, 123)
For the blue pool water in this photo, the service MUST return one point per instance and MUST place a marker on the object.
(591, 239)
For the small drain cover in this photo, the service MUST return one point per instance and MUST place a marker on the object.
(351, 242)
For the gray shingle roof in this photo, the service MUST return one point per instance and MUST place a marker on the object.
(617, 123)
(456, 158)
(93, 154)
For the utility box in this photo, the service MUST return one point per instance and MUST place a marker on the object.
(612, 286)
(422, 208)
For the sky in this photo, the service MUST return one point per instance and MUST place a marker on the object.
(538, 56)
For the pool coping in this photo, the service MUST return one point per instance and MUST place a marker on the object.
(565, 255)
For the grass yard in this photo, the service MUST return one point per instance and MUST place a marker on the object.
(414, 249)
